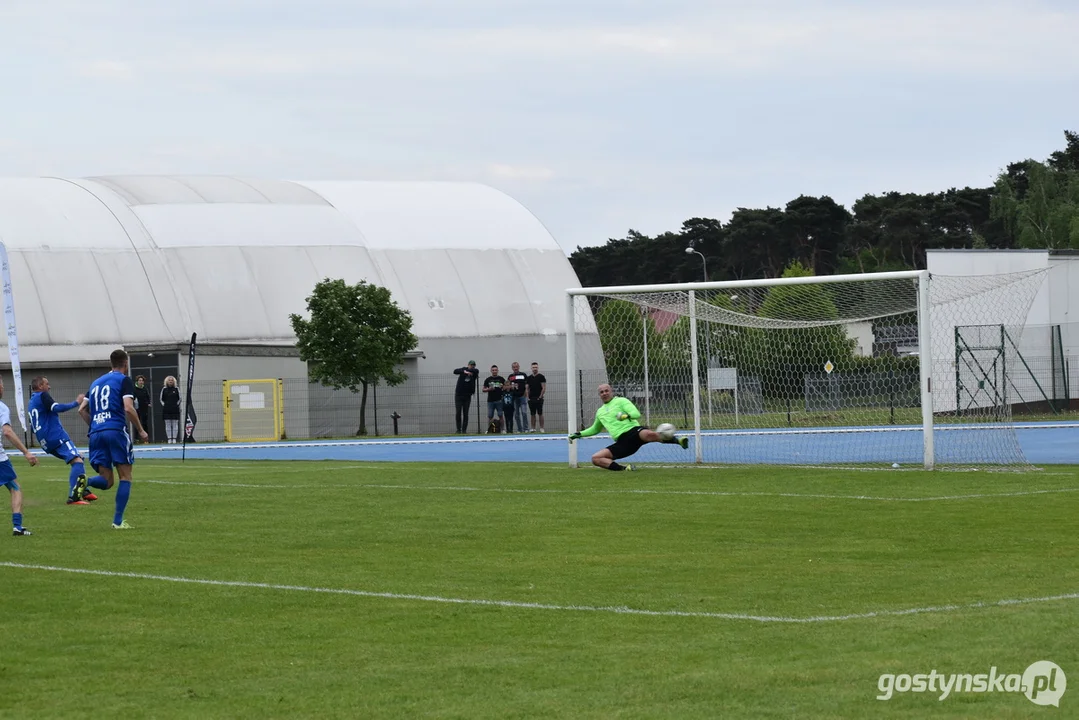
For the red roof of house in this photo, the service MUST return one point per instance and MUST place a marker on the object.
(663, 319)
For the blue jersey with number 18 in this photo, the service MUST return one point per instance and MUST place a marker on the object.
(106, 398)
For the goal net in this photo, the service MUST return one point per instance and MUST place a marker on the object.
(898, 367)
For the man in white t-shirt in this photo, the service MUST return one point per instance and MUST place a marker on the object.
(7, 470)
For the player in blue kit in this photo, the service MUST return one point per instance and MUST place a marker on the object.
(107, 408)
(44, 414)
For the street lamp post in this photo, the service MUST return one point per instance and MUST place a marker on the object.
(707, 340)
(704, 260)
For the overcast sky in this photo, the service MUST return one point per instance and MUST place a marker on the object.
(598, 115)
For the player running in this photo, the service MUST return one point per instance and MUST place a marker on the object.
(618, 416)
(44, 413)
(107, 408)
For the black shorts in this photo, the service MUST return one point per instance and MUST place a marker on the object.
(627, 443)
(536, 406)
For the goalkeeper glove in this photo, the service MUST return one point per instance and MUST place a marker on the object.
(623, 416)
(575, 436)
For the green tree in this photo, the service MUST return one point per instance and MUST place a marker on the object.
(889, 232)
(639, 259)
(357, 335)
(1039, 204)
(1031, 205)
(756, 242)
(704, 235)
(817, 228)
(1067, 159)
(716, 336)
(782, 357)
(962, 219)
(621, 326)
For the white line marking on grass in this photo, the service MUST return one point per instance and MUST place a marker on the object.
(513, 604)
(719, 493)
(833, 497)
(287, 445)
(313, 468)
(251, 466)
(594, 491)
(622, 491)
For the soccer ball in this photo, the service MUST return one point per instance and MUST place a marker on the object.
(665, 431)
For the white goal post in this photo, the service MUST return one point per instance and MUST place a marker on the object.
(857, 369)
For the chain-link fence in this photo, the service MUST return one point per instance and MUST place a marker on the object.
(1041, 380)
(424, 405)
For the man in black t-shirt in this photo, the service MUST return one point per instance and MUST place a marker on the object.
(142, 403)
(537, 388)
(518, 405)
(493, 387)
(467, 382)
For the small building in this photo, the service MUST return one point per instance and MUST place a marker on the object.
(1040, 354)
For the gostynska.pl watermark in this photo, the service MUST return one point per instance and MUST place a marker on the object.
(1043, 683)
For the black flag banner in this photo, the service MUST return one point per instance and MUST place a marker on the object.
(189, 418)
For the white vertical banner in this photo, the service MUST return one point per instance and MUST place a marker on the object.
(12, 336)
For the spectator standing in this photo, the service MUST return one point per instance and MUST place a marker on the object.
(517, 380)
(170, 409)
(467, 382)
(537, 388)
(142, 402)
(493, 386)
(507, 406)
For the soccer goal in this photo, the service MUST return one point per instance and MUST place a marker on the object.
(805, 370)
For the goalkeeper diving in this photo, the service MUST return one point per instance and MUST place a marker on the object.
(618, 416)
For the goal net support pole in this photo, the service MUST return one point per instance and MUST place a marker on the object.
(572, 387)
(695, 374)
(925, 370)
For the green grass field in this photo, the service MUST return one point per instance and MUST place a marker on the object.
(571, 555)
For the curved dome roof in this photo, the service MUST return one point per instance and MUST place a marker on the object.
(136, 260)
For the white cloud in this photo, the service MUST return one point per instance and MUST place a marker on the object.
(1003, 37)
(236, 39)
(243, 62)
(105, 70)
(520, 172)
(599, 115)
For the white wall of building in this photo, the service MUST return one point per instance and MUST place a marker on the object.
(862, 335)
(1056, 302)
(1051, 295)
(996, 262)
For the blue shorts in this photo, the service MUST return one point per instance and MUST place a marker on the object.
(7, 475)
(111, 447)
(61, 448)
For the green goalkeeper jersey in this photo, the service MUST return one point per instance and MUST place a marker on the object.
(607, 418)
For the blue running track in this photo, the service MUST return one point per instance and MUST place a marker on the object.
(1042, 443)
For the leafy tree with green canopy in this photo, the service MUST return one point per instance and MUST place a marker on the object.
(782, 357)
(722, 340)
(357, 336)
(817, 227)
(1039, 203)
(621, 325)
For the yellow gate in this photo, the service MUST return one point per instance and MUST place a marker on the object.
(254, 410)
